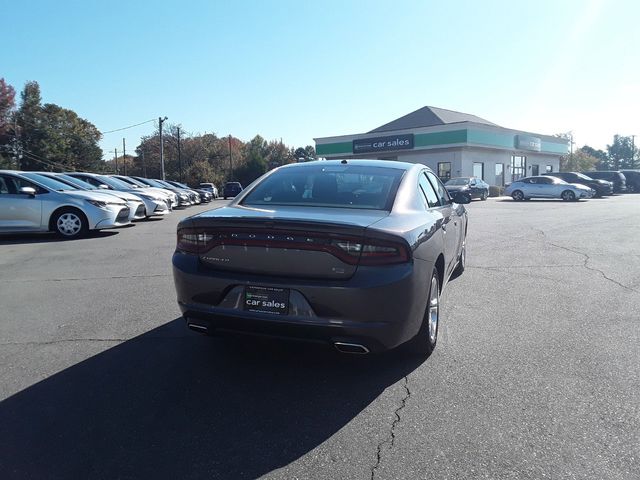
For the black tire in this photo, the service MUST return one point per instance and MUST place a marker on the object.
(225, 198)
(568, 196)
(70, 223)
(425, 340)
(517, 195)
(485, 194)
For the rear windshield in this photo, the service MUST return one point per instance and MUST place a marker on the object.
(348, 186)
(458, 181)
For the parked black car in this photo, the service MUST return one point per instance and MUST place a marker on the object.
(231, 189)
(602, 187)
(633, 180)
(616, 177)
(474, 187)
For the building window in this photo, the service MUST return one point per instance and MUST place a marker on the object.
(549, 168)
(444, 171)
(500, 174)
(535, 170)
(518, 167)
(478, 170)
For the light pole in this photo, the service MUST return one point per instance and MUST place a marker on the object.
(160, 122)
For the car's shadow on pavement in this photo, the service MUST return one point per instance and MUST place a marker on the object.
(25, 238)
(173, 404)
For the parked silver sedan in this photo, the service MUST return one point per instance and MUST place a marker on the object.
(33, 203)
(547, 187)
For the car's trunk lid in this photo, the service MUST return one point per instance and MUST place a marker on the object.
(292, 242)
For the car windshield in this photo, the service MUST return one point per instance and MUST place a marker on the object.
(164, 184)
(583, 176)
(130, 181)
(75, 181)
(113, 182)
(49, 182)
(153, 183)
(559, 181)
(458, 181)
(343, 186)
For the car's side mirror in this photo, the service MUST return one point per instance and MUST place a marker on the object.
(103, 186)
(461, 197)
(27, 191)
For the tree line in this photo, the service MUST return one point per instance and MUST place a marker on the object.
(620, 155)
(37, 136)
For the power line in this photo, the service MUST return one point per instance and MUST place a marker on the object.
(45, 161)
(130, 126)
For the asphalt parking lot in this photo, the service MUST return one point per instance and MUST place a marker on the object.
(536, 373)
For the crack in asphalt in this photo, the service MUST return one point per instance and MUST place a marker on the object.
(114, 277)
(587, 259)
(391, 438)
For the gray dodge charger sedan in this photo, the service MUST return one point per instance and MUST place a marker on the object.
(354, 253)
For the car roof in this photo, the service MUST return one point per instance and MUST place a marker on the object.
(367, 162)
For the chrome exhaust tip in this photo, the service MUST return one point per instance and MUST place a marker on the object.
(197, 328)
(354, 348)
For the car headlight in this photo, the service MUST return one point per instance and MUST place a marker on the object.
(101, 204)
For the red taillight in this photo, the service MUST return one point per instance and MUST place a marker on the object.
(190, 240)
(351, 250)
(375, 252)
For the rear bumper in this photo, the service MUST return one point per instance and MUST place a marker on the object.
(374, 308)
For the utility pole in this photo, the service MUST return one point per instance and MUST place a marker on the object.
(160, 122)
(116, 151)
(230, 162)
(179, 155)
(124, 156)
(571, 166)
(144, 165)
(633, 152)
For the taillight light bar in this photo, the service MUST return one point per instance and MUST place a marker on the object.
(351, 250)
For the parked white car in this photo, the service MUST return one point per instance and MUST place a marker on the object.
(547, 187)
(137, 210)
(156, 202)
(33, 203)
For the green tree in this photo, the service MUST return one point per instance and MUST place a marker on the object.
(7, 105)
(254, 167)
(305, 154)
(580, 161)
(621, 152)
(29, 120)
(7, 130)
(202, 171)
(604, 162)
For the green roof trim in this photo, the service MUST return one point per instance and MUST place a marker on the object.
(491, 139)
(550, 147)
(464, 137)
(440, 138)
(334, 148)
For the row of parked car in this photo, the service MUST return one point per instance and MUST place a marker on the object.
(73, 203)
(573, 186)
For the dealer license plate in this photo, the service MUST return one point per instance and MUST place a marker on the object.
(266, 300)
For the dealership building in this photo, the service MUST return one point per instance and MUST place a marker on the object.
(452, 144)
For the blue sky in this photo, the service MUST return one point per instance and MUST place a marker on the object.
(297, 70)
